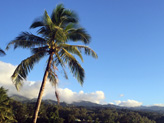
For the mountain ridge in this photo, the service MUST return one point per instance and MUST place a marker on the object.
(83, 103)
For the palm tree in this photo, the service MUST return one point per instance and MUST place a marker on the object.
(6, 113)
(2, 52)
(56, 33)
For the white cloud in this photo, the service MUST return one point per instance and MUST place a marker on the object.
(30, 89)
(6, 70)
(69, 96)
(111, 103)
(128, 103)
(160, 105)
(121, 95)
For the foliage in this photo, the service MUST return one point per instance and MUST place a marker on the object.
(6, 113)
(52, 113)
(21, 111)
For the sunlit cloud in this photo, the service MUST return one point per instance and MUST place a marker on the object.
(111, 103)
(128, 103)
(30, 89)
(160, 105)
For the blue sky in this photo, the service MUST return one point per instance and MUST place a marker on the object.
(128, 36)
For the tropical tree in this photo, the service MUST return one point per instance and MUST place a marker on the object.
(2, 52)
(6, 113)
(55, 34)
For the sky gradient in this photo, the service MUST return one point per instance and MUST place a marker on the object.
(128, 37)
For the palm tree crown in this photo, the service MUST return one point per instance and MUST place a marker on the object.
(55, 34)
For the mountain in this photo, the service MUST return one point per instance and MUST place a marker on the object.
(157, 109)
(85, 104)
(90, 104)
(19, 98)
(27, 100)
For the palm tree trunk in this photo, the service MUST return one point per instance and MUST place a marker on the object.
(42, 89)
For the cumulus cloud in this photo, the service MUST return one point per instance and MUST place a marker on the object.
(30, 89)
(69, 96)
(6, 70)
(160, 105)
(128, 103)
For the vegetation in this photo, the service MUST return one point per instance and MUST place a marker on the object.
(56, 32)
(6, 113)
(50, 113)
(12, 111)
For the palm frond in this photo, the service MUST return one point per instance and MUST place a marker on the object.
(65, 73)
(72, 49)
(74, 66)
(55, 16)
(79, 35)
(53, 33)
(39, 49)
(77, 70)
(61, 16)
(60, 35)
(2, 52)
(71, 16)
(52, 77)
(67, 17)
(47, 20)
(45, 32)
(24, 68)
(58, 61)
(71, 28)
(87, 50)
(26, 40)
(37, 23)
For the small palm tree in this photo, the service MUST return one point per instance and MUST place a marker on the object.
(6, 113)
(55, 34)
(2, 52)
